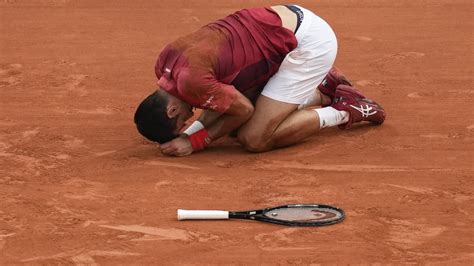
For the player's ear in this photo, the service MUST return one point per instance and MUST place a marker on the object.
(172, 109)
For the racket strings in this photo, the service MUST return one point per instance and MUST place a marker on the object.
(311, 214)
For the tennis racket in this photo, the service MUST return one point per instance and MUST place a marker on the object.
(290, 215)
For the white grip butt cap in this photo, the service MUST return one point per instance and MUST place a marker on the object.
(202, 215)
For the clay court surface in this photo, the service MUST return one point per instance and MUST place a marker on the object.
(79, 185)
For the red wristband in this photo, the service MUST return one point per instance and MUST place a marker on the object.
(200, 140)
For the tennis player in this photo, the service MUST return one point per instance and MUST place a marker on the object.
(256, 72)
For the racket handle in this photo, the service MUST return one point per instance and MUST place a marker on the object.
(202, 215)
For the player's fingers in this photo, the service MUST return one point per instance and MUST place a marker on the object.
(169, 153)
(166, 145)
(174, 153)
(183, 154)
(167, 149)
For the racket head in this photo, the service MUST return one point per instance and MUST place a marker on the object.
(301, 215)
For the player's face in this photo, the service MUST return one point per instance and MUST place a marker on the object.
(184, 114)
(180, 112)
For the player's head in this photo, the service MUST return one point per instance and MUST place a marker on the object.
(161, 116)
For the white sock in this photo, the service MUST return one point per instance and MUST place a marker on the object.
(329, 117)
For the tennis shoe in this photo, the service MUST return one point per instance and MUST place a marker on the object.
(333, 79)
(359, 107)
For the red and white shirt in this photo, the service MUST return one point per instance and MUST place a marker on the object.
(239, 52)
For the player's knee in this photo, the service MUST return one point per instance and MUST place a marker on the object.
(253, 144)
(256, 147)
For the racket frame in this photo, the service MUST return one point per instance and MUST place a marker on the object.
(259, 215)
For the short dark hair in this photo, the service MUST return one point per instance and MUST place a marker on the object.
(152, 120)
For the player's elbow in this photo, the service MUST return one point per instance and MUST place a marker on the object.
(247, 112)
(241, 109)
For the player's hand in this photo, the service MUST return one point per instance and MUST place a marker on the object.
(180, 146)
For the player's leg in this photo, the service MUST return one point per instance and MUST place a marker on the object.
(257, 134)
(279, 119)
(208, 117)
(278, 124)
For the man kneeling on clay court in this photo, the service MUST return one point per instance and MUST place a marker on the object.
(283, 55)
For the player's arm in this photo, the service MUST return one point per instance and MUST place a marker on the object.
(236, 115)
(239, 111)
(208, 116)
(205, 119)
(204, 91)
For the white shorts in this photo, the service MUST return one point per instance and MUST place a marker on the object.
(304, 68)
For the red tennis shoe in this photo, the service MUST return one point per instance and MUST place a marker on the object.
(333, 79)
(359, 107)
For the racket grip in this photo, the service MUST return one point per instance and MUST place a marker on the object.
(202, 215)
